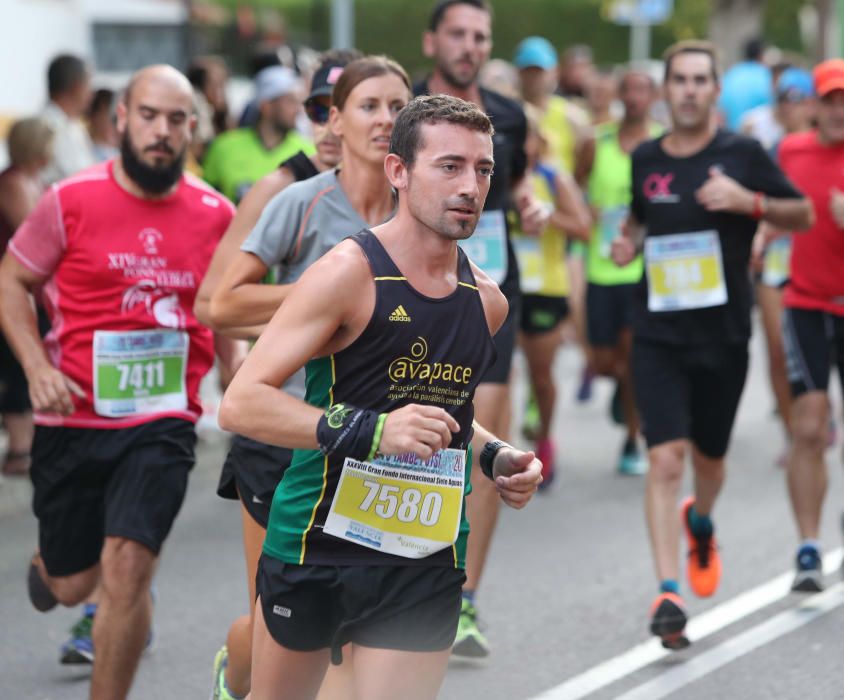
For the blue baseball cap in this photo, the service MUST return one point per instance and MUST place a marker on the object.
(535, 52)
(795, 85)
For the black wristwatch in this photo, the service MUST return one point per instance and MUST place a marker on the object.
(487, 456)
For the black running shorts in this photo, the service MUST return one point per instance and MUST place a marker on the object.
(813, 341)
(505, 344)
(541, 314)
(89, 484)
(689, 392)
(609, 311)
(406, 608)
(251, 472)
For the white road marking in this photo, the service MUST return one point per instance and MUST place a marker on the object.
(699, 627)
(679, 676)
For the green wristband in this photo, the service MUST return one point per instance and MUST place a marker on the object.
(376, 437)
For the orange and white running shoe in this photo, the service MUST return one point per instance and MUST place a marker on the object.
(703, 567)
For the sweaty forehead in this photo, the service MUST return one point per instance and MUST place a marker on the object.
(445, 138)
(161, 92)
(692, 63)
(467, 18)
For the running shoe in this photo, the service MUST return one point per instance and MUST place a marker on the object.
(79, 649)
(632, 461)
(704, 563)
(531, 420)
(470, 642)
(221, 690)
(809, 576)
(584, 391)
(40, 595)
(545, 454)
(668, 621)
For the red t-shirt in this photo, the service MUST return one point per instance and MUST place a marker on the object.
(127, 269)
(817, 255)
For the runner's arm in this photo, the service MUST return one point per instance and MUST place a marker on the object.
(49, 390)
(516, 474)
(15, 202)
(629, 243)
(571, 214)
(767, 193)
(247, 215)
(320, 317)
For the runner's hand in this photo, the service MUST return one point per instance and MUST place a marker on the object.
(517, 475)
(721, 193)
(52, 392)
(757, 253)
(534, 215)
(622, 251)
(836, 206)
(419, 429)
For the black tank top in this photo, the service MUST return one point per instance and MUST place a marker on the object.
(415, 349)
(301, 166)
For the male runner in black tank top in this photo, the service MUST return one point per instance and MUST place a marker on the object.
(395, 327)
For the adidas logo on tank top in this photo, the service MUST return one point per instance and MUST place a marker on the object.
(400, 315)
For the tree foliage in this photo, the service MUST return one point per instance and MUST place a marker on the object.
(394, 27)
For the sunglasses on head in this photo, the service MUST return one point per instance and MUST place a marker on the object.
(317, 112)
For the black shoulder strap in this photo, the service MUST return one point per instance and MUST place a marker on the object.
(301, 166)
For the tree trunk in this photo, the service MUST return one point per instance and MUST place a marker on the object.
(732, 23)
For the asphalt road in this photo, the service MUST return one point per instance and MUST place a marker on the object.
(566, 595)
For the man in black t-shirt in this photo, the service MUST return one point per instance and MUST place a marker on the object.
(459, 40)
(698, 194)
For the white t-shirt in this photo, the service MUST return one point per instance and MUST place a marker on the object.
(72, 147)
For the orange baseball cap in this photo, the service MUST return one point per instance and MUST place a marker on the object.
(829, 76)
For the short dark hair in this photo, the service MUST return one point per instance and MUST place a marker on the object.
(406, 140)
(65, 73)
(754, 49)
(443, 6)
(338, 57)
(693, 46)
(103, 99)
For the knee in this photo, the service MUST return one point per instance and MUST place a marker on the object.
(127, 569)
(809, 430)
(666, 464)
(75, 589)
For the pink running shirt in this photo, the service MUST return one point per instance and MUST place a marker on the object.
(122, 265)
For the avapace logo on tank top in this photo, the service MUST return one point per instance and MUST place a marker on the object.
(415, 367)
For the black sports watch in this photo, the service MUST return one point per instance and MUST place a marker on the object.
(487, 456)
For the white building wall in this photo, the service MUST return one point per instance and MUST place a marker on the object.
(32, 32)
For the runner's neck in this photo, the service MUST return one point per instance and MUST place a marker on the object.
(631, 133)
(268, 135)
(428, 259)
(367, 189)
(438, 85)
(686, 143)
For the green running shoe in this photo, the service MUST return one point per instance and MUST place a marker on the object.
(531, 421)
(470, 642)
(221, 690)
(79, 649)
